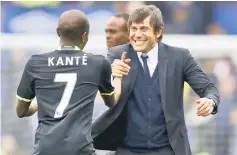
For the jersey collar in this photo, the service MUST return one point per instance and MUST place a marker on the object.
(68, 48)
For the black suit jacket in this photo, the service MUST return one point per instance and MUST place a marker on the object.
(176, 66)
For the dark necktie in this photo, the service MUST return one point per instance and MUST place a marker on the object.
(145, 66)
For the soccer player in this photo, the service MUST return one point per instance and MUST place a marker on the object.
(65, 83)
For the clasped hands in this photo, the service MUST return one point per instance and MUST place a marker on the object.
(120, 67)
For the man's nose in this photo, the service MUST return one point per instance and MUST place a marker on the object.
(108, 36)
(138, 35)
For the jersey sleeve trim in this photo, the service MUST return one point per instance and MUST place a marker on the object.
(107, 94)
(23, 99)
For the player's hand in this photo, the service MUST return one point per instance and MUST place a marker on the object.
(120, 67)
(204, 106)
(34, 105)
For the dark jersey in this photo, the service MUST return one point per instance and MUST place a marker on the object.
(65, 84)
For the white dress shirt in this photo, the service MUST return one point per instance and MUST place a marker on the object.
(152, 59)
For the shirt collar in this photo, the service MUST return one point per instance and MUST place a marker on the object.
(68, 48)
(152, 54)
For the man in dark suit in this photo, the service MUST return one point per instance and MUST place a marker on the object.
(149, 117)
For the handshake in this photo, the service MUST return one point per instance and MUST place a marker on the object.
(120, 67)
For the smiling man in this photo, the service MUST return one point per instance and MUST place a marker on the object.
(149, 117)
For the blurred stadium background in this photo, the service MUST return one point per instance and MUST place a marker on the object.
(208, 29)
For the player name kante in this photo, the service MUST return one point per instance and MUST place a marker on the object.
(67, 61)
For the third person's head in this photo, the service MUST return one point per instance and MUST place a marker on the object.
(117, 31)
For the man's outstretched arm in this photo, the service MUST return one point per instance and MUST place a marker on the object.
(112, 98)
(109, 93)
(25, 94)
(115, 74)
(197, 79)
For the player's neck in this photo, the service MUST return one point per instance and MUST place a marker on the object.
(67, 43)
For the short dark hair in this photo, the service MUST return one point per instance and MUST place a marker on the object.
(125, 17)
(156, 20)
(152, 7)
(75, 29)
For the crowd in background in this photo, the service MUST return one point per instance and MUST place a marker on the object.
(184, 17)
(217, 135)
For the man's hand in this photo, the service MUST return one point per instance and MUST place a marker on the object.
(204, 106)
(120, 67)
(34, 105)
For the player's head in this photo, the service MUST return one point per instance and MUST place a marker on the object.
(116, 30)
(73, 28)
(145, 28)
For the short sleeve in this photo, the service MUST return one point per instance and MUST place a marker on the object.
(105, 86)
(25, 90)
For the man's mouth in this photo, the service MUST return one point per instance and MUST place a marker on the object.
(139, 42)
(109, 42)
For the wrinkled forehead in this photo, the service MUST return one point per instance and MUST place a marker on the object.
(141, 22)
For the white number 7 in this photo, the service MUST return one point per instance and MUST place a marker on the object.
(71, 79)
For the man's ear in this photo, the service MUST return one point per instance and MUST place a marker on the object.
(159, 32)
(58, 32)
(84, 37)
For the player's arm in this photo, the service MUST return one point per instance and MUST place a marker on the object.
(25, 94)
(109, 93)
(25, 109)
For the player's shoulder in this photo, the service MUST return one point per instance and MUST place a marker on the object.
(96, 58)
(36, 59)
(46, 54)
(100, 61)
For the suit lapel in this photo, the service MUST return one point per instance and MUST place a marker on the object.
(162, 70)
(132, 54)
(129, 80)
